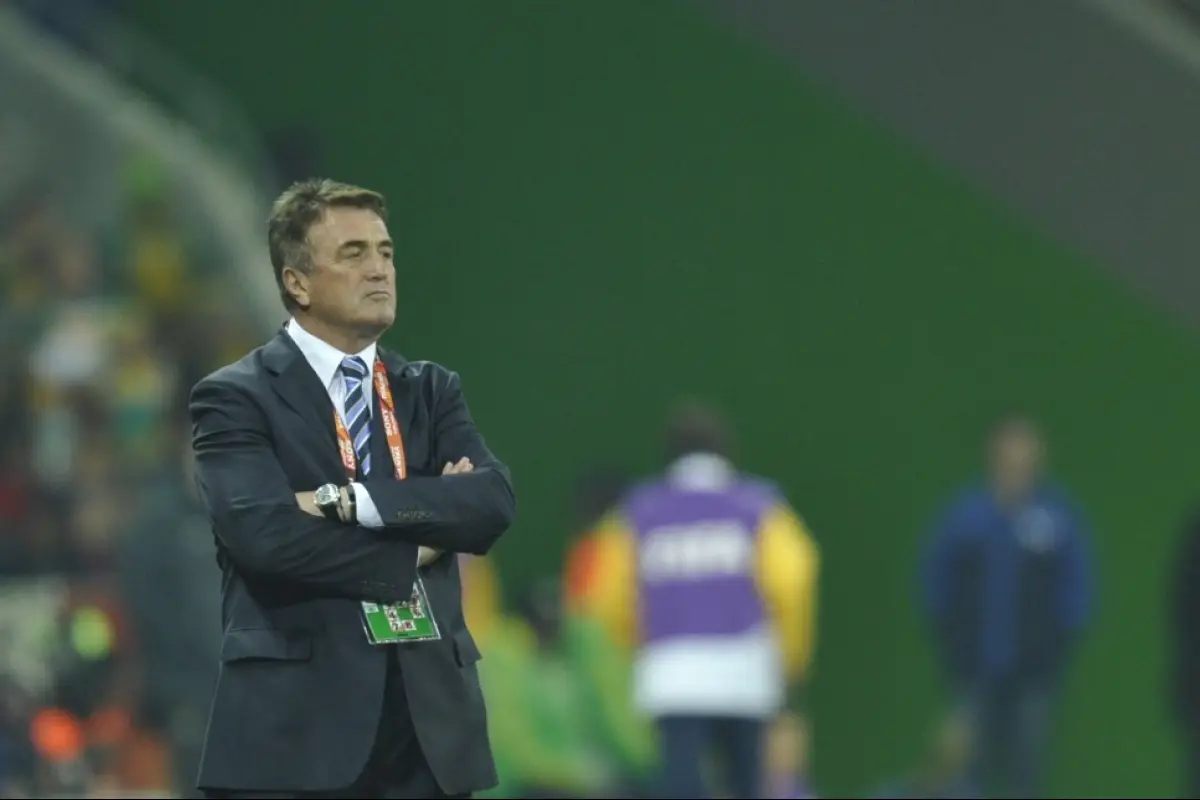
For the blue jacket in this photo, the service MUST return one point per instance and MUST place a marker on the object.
(1006, 591)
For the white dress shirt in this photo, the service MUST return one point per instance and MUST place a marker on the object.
(326, 361)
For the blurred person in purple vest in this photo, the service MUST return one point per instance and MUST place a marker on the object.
(710, 577)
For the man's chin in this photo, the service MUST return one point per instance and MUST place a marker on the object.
(377, 322)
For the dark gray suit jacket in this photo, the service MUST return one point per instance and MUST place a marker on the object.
(300, 691)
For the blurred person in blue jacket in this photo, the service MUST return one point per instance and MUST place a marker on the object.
(1007, 590)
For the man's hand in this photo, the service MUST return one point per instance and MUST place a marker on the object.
(463, 465)
(427, 555)
(308, 503)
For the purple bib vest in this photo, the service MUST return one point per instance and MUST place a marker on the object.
(697, 559)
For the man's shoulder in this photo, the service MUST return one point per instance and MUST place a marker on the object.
(1058, 498)
(420, 370)
(244, 377)
(643, 489)
(422, 374)
(246, 372)
(1055, 494)
(968, 501)
(761, 488)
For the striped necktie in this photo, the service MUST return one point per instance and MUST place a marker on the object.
(357, 417)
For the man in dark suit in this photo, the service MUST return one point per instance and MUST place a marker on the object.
(330, 468)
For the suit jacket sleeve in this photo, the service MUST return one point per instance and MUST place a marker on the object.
(459, 513)
(256, 518)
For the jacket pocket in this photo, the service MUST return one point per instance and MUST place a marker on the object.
(465, 651)
(266, 644)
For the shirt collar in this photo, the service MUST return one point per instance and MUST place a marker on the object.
(703, 472)
(324, 358)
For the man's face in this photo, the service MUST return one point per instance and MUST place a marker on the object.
(1016, 459)
(353, 280)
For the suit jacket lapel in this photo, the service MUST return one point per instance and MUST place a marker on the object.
(299, 388)
(395, 364)
(397, 380)
(397, 372)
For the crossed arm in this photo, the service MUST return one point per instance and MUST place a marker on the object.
(426, 555)
(265, 531)
(468, 507)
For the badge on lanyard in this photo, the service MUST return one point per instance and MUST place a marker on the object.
(412, 620)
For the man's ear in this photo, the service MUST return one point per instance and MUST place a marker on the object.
(295, 283)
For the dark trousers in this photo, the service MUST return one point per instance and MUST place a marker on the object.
(687, 743)
(396, 768)
(1011, 722)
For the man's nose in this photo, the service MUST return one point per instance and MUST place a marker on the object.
(377, 268)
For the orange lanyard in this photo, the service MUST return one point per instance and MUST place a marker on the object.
(387, 410)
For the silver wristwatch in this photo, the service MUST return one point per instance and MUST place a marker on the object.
(327, 498)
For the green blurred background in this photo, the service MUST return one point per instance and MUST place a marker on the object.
(602, 206)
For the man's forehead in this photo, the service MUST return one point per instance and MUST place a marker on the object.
(349, 224)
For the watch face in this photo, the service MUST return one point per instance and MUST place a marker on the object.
(325, 495)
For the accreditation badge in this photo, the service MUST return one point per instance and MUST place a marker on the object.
(392, 623)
